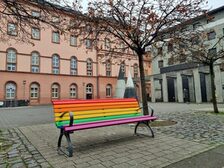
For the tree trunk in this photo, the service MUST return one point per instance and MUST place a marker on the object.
(214, 101)
(143, 86)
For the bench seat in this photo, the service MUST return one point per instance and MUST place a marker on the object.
(108, 123)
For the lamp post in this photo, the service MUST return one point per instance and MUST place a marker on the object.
(24, 89)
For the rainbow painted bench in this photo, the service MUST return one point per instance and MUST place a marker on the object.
(74, 115)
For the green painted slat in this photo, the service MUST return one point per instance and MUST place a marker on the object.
(63, 123)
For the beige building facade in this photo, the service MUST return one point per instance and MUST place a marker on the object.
(56, 66)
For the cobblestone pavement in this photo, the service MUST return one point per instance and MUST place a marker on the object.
(196, 126)
(21, 154)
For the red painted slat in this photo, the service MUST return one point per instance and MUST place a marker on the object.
(60, 102)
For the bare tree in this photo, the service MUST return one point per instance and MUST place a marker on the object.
(139, 23)
(192, 46)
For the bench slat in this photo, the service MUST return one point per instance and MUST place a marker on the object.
(58, 102)
(78, 107)
(95, 115)
(108, 123)
(60, 124)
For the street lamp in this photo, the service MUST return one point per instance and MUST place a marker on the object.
(24, 89)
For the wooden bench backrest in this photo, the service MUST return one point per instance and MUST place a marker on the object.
(94, 110)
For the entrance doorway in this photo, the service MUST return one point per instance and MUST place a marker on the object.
(171, 90)
(89, 91)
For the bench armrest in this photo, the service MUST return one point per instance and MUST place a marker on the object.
(152, 110)
(71, 117)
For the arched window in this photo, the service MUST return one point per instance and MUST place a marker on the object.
(135, 70)
(107, 44)
(34, 91)
(109, 90)
(73, 66)
(55, 91)
(89, 67)
(11, 60)
(10, 90)
(73, 91)
(55, 64)
(89, 89)
(108, 68)
(35, 62)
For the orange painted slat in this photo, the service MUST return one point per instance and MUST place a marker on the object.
(93, 108)
(94, 104)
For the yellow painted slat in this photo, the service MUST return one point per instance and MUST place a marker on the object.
(76, 113)
(95, 115)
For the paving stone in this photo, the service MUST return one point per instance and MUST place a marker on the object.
(18, 165)
(120, 160)
(108, 163)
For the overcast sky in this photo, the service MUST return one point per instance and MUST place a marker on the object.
(212, 4)
(215, 3)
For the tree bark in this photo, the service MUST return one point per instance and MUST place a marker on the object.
(143, 86)
(214, 101)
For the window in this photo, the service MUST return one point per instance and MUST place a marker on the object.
(55, 37)
(73, 66)
(210, 19)
(160, 63)
(11, 60)
(108, 90)
(135, 70)
(123, 69)
(89, 89)
(211, 35)
(55, 64)
(195, 40)
(122, 46)
(10, 90)
(35, 62)
(55, 91)
(107, 44)
(171, 60)
(89, 67)
(88, 43)
(212, 52)
(35, 33)
(170, 47)
(108, 68)
(160, 51)
(73, 40)
(88, 29)
(56, 19)
(196, 25)
(34, 91)
(73, 91)
(12, 29)
(35, 14)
